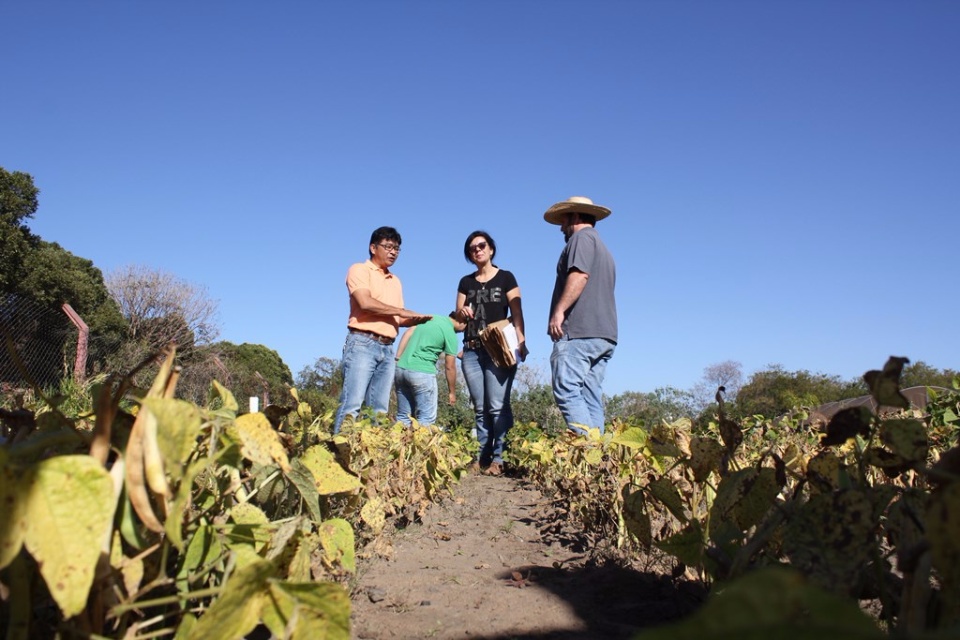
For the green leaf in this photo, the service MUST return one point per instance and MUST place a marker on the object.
(686, 546)
(229, 406)
(237, 611)
(69, 508)
(773, 602)
(303, 480)
(203, 548)
(173, 525)
(313, 609)
(636, 518)
(665, 491)
(178, 425)
(329, 476)
(634, 438)
(336, 538)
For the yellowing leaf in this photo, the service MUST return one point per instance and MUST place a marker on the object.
(259, 442)
(336, 538)
(300, 569)
(943, 523)
(705, 455)
(13, 523)
(236, 612)
(906, 438)
(662, 441)
(251, 525)
(823, 470)
(885, 385)
(69, 507)
(758, 500)
(312, 609)
(374, 514)
(330, 477)
(830, 538)
(178, 425)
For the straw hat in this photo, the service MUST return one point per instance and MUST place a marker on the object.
(575, 204)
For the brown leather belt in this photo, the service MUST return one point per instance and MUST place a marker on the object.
(370, 334)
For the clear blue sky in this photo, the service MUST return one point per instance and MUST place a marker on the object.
(784, 176)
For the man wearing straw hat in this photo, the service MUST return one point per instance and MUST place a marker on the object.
(583, 314)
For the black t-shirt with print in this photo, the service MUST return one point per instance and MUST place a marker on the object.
(489, 300)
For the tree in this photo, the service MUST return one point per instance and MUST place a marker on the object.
(727, 374)
(649, 409)
(18, 203)
(161, 308)
(255, 371)
(319, 385)
(53, 276)
(920, 374)
(775, 391)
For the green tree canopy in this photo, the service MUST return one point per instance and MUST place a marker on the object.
(18, 202)
(920, 374)
(649, 409)
(774, 391)
(255, 370)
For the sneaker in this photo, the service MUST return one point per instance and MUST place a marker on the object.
(495, 469)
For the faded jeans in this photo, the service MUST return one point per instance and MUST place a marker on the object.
(367, 377)
(416, 396)
(489, 387)
(578, 366)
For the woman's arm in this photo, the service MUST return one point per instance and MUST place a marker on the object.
(464, 313)
(516, 313)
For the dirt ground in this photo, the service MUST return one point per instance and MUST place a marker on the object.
(496, 562)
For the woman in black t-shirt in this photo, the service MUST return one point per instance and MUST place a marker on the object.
(485, 296)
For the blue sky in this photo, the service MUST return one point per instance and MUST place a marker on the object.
(784, 176)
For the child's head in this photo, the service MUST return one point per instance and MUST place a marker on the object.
(458, 326)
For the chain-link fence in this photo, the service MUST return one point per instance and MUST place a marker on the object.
(37, 344)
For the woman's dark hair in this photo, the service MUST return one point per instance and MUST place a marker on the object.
(479, 234)
(384, 233)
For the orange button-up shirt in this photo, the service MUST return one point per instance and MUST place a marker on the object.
(384, 287)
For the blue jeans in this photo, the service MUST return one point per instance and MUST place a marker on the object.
(577, 366)
(489, 387)
(367, 377)
(416, 396)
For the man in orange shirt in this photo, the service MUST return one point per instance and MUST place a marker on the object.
(376, 312)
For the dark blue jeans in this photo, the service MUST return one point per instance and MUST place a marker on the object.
(489, 387)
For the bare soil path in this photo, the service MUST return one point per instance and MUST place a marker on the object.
(498, 562)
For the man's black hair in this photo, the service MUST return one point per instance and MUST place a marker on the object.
(384, 233)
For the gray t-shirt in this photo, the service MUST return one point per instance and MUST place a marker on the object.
(594, 314)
